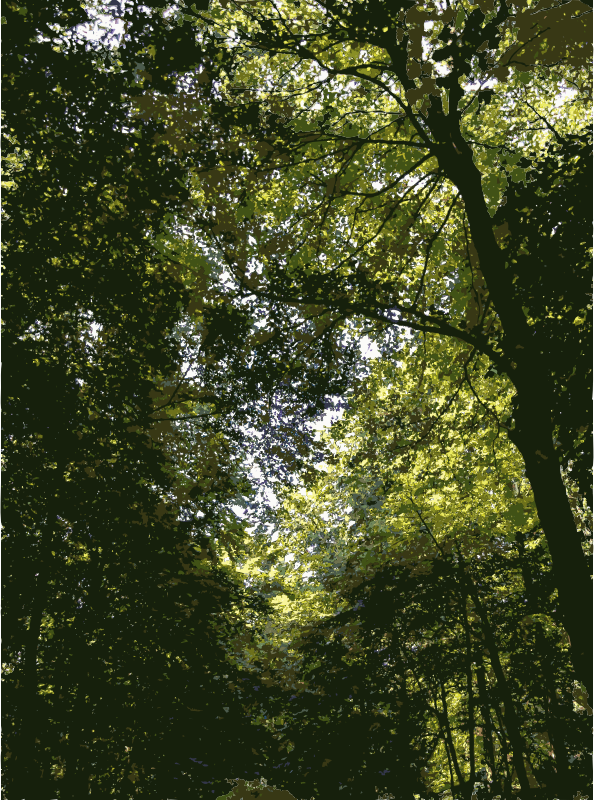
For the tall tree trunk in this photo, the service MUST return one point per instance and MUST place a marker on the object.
(502, 732)
(29, 780)
(469, 690)
(553, 716)
(527, 368)
(488, 747)
(511, 719)
(570, 567)
(551, 704)
(405, 750)
(80, 742)
(28, 707)
(449, 739)
(75, 784)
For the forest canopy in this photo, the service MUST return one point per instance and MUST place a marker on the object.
(297, 399)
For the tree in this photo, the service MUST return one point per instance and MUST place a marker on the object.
(333, 181)
(384, 685)
(385, 138)
(116, 606)
(437, 622)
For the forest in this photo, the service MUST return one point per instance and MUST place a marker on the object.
(297, 399)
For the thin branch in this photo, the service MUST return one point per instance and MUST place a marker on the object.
(431, 242)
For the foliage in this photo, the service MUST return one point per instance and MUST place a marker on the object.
(116, 608)
(206, 211)
(423, 607)
(362, 182)
(378, 714)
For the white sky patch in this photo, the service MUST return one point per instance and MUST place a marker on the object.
(563, 96)
(100, 25)
(328, 417)
(369, 349)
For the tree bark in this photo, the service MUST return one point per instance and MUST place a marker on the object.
(75, 783)
(469, 689)
(488, 747)
(570, 567)
(29, 781)
(449, 740)
(532, 434)
(511, 719)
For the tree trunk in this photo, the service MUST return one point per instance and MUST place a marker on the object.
(511, 719)
(488, 747)
(570, 567)
(528, 370)
(469, 689)
(28, 770)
